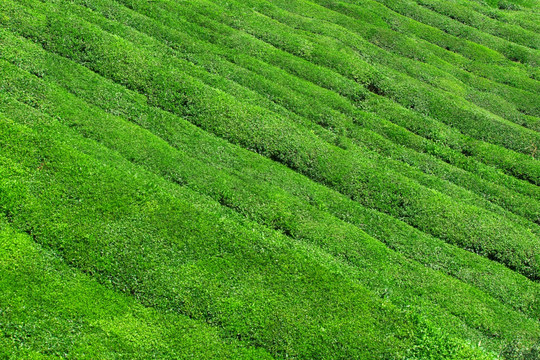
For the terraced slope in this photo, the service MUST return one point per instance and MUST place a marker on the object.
(269, 179)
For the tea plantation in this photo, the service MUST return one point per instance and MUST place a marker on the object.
(270, 179)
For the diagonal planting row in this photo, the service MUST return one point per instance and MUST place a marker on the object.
(468, 55)
(380, 269)
(179, 252)
(314, 21)
(74, 77)
(318, 113)
(411, 93)
(524, 18)
(52, 180)
(255, 128)
(315, 112)
(517, 164)
(117, 100)
(79, 317)
(383, 46)
(511, 51)
(462, 13)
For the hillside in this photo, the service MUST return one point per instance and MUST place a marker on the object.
(270, 179)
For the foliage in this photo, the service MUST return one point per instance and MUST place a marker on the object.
(253, 179)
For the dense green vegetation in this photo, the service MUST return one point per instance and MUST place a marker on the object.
(307, 179)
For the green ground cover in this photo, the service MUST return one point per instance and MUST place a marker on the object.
(252, 179)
